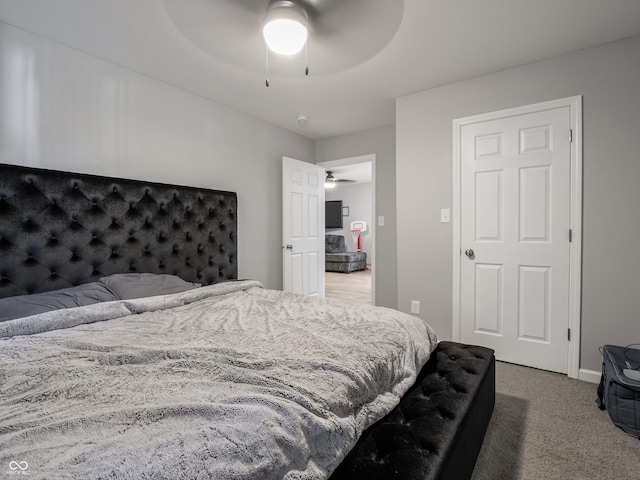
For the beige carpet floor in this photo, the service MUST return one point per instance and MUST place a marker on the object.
(547, 426)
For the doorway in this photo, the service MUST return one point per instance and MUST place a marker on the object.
(354, 187)
(517, 229)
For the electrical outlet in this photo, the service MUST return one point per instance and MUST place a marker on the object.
(415, 307)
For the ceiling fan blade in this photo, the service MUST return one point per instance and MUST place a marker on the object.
(348, 31)
(256, 6)
(317, 7)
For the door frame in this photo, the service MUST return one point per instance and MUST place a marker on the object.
(372, 228)
(575, 247)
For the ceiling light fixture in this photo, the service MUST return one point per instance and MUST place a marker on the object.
(330, 180)
(303, 120)
(285, 27)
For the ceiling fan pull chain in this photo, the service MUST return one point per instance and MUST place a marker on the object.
(306, 57)
(267, 66)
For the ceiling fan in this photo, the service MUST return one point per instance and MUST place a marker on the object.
(341, 33)
(331, 181)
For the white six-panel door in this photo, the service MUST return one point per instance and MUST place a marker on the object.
(303, 227)
(515, 183)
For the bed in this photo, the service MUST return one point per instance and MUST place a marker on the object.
(129, 349)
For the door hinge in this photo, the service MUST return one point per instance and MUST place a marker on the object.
(569, 334)
(570, 135)
(570, 235)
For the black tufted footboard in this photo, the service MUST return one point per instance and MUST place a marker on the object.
(437, 429)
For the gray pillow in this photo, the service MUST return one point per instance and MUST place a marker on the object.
(26, 305)
(137, 285)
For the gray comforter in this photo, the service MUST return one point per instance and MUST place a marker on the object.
(230, 381)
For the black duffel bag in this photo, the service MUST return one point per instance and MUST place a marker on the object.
(619, 389)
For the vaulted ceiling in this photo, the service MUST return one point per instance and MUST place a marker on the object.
(433, 42)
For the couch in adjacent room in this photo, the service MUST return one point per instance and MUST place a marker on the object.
(337, 259)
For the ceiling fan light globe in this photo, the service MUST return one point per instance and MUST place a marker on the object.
(285, 27)
(330, 180)
(285, 36)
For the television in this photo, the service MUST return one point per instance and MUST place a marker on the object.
(333, 214)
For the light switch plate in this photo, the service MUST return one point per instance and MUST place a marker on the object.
(415, 307)
(445, 215)
(381, 221)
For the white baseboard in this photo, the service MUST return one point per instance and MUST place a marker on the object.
(589, 375)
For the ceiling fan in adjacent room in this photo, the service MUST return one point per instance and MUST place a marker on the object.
(331, 181)
(336, 34)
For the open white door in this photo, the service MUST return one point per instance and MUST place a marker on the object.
(302, 227)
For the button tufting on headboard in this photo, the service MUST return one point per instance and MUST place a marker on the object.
(60, 229)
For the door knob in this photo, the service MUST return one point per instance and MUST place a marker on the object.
(289, 247)
(469, 253)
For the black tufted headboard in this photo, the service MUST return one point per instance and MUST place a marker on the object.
(60, 229)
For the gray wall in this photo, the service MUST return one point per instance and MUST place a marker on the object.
(62, 109)
(381, 142)
(608, 77)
